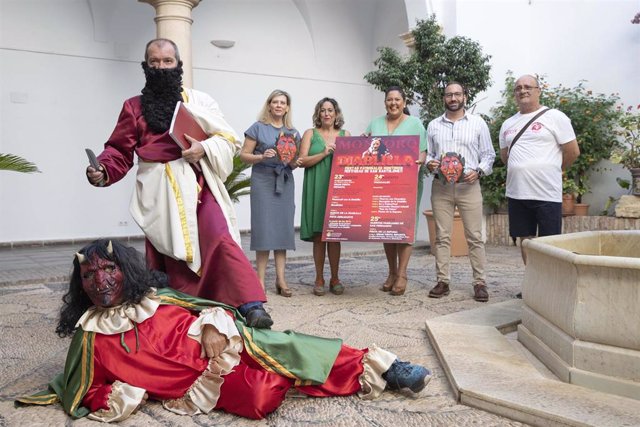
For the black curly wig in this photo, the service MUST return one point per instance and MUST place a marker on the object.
(138, 279)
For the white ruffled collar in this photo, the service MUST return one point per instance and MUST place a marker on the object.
(115, 320)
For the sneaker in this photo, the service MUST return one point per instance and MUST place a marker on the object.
(440, 290)
(258, 318)
(406, 375)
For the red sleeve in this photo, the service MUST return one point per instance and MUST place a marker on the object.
(117, 157)
(98, 394)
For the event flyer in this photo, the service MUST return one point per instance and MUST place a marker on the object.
(373, 190)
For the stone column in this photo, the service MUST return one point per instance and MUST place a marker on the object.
(173, 21)
(408, 40)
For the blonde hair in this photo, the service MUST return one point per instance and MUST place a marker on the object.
(265, 117)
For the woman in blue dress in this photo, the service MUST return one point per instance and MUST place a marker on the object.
(272, 185)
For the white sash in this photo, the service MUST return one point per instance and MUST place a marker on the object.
(164, 204)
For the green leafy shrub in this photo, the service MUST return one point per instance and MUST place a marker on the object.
(627, 153)
(594, 118)
(435, 61)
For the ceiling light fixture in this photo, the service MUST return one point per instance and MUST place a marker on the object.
(223, 44)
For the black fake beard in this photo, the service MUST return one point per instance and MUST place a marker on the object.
(160, 94)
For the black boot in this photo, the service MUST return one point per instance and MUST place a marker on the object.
(258, 318)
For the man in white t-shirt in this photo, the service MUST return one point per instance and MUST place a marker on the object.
(535, 163)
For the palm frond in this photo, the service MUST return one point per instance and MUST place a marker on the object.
(10, 162)
(237, 183)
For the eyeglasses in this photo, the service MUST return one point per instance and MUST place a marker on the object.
(454, 94)
(519, 89)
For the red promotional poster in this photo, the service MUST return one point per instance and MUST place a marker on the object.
(373, 190)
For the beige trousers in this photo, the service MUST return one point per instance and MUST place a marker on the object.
(468, 199)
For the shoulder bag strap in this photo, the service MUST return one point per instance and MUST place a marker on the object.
(524, 128)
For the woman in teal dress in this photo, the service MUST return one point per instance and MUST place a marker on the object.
(316, 154)
(397, 121)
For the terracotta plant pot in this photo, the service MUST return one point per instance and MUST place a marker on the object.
(568, 204)
(581, 209)
(459, 245)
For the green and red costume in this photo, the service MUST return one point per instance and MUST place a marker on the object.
(152, 348)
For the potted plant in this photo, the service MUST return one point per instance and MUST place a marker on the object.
(627, 152)
(459, 246)
(594, 118)
(569, 191)
(579, 208)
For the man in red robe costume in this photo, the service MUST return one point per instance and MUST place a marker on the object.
(180, 201)
(135, 340)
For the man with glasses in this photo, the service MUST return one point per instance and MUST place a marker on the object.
(546, 145)
(461, 139)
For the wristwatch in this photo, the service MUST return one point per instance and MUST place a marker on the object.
(480, 172)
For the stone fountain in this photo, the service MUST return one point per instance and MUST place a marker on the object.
(581, 311)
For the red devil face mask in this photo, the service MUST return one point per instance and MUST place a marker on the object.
(102, 280)
(451, 167)
(286, 147)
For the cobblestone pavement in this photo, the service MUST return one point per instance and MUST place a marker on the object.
(31, 353)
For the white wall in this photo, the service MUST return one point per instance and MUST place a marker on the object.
(66, 66)
(565, 40)
(332, 49)
(62, 87)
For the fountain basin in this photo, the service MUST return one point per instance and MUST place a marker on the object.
(581, 312)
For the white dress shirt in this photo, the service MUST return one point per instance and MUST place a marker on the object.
(468, 136)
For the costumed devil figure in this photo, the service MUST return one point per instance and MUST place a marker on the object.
(134, 340)
(184, 211)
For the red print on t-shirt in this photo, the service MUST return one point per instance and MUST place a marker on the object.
(536, 126)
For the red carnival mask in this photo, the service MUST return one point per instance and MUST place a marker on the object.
(102, 280)
(452, 167)
(286, 147)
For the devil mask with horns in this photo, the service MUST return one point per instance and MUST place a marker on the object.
(105, 274)
(101, 279)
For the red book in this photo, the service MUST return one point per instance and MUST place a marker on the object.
(183, 123)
